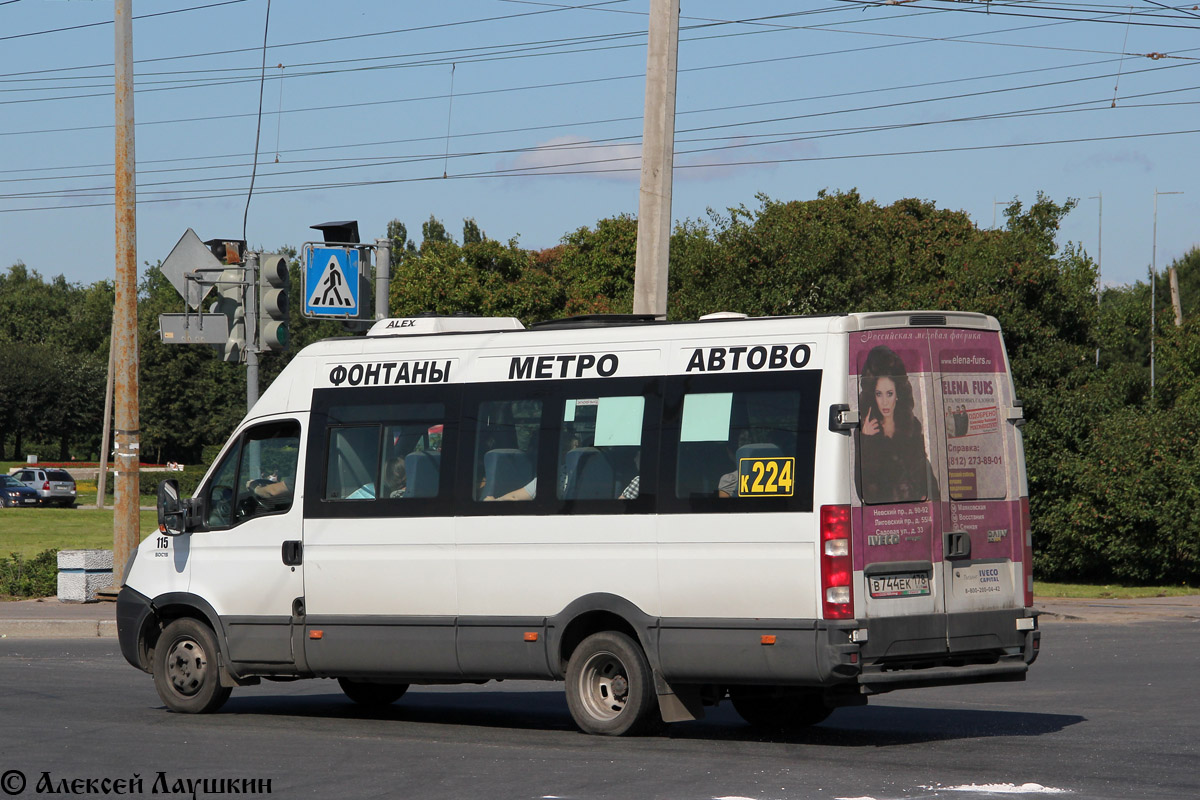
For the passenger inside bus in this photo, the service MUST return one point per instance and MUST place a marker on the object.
(526, 492)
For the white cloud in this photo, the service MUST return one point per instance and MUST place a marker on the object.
(575, 154)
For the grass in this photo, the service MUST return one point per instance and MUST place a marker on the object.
(1110, 591)
(29, 531)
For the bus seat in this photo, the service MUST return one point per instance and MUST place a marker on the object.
(423, 469)
(505, 469)
(589, 475)
(759, 450)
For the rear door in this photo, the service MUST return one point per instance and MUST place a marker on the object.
(937, 474)
(897, 491)
(981, 465)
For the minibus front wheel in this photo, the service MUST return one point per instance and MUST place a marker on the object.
(610, 688)
(185, 668)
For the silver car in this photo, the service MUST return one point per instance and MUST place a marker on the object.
(54, 486)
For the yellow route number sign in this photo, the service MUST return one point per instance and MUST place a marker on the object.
(766, 477)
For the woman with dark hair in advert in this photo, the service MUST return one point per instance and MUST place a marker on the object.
(894, 468)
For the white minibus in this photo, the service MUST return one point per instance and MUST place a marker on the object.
(790, 513)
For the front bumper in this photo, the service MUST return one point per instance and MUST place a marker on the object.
(134, 611)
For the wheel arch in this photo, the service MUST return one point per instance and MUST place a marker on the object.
(592, 614)
(165, 609)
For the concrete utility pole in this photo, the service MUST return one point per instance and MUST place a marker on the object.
(658, 160)
(383, 276)
(126, 461)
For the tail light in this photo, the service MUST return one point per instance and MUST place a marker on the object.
(1027, 551)
(837, 571)
(46, 486)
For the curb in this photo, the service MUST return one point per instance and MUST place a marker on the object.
(58, 629)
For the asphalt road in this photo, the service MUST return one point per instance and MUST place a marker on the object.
(1109, 711)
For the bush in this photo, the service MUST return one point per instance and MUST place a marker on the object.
(29, 577)
(1129, 506)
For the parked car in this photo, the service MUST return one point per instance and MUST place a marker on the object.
(53, 486)
(14, 494)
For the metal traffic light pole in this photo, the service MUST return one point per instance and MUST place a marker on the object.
(251, 282)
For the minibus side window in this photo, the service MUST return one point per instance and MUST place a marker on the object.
(506, 450)
(741, 445)
(267, 470)
(600, 448)
(257, 476)
(383, 451)
(353, 465)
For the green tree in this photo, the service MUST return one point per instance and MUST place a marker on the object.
(487, 277)
(471, 232)
(595, 268)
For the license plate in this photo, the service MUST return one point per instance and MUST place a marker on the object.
(909, 584)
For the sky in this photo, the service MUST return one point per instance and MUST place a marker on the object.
(527, 117)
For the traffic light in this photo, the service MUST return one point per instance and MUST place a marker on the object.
(231, 302)
(273, 302)
(227, 251)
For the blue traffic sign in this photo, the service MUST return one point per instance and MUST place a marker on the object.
(331, 282)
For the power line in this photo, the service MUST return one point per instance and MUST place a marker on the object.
(455, 55)
(109, 21)
(592, 122)
(381, 161)
(909, 39)
(518, 173)
(997, 9)
(258, 125)
(177, 120)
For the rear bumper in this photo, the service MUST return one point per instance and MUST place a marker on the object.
(946, 650)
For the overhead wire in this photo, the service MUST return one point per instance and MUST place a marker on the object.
(781, 138)
(498, 173)
(995, 9)
(684, 112)
(512, 173)
(258, 126)
(101, 23)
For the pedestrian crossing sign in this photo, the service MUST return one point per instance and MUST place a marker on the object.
(331, 282)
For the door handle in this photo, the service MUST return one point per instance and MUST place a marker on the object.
(293, 552)
(956, 544)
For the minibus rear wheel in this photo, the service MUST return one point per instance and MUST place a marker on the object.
(610, 689)
(372, 695)
(185, 668)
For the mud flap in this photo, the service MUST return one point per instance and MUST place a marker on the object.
(677, 707)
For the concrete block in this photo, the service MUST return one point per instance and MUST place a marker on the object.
(82, 573)
(85, 559)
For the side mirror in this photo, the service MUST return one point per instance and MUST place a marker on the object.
(172, 512)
